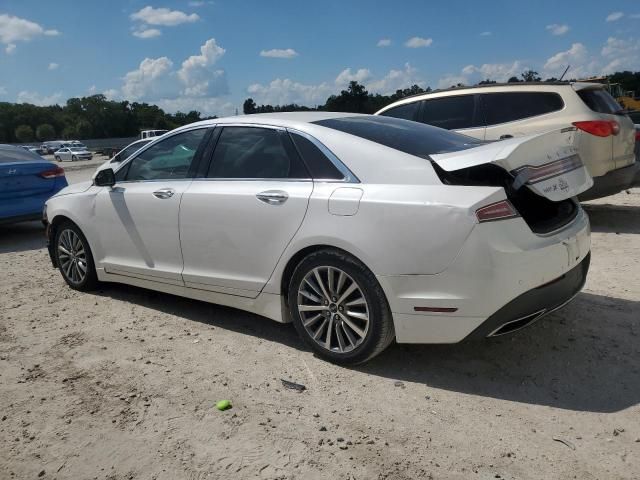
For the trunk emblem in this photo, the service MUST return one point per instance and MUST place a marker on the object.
(11, 171)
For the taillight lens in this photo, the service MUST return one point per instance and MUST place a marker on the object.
(496, 211)
(637, 135)
(52, 173)
(599, 128)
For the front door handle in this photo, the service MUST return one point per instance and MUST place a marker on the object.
(273, 197)
(164, 193)
(505, 136)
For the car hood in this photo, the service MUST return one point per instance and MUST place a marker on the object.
(75, 188)
(547, 163)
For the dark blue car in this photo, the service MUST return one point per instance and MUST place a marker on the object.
(26, 182)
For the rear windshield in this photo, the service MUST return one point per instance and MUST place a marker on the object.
(9, 154)
(409, 137)
(599, 101)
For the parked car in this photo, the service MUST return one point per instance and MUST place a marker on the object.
(606, 136)
(151, 133)
(33, 149)
(76, 143)
(26, 182)
(125, 153)
(52, 146)
(73, 154)
(360, 229)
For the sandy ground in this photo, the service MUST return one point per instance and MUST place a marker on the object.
(121, 384)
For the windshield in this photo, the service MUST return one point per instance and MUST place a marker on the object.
(409, 137)
(130, 149)
(77, 149)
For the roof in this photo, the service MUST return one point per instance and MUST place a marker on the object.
(280, 119)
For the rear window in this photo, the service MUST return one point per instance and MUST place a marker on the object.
(408, 111)
(10, 154)
(510, 106)
(452, 113)
(599, 101)
(408, 137)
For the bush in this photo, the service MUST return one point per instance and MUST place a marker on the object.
(24, 133)
(45, 132)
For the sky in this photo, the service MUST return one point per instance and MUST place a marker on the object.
(211, 55)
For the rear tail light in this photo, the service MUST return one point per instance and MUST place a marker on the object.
(637, 135)
(52, 173)
(496, 211)
(599, 128)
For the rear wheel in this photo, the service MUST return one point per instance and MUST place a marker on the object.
(57, 158)
(339, 308)
(74, 258)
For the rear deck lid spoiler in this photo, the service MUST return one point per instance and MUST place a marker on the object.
(547, 163)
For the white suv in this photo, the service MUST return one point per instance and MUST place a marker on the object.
(606, 136)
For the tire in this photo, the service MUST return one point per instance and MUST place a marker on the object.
(74, 158)
(57, 159)
(69, 235)
(360, 339)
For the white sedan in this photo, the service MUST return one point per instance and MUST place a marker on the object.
(73, 154)
(360, 229)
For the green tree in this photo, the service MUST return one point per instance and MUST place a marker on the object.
(45, 132)
(513, 80)
(530, 76)
(24, 133)
(249, 106)
(84, 129)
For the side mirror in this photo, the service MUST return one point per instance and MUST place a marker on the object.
(105, 178)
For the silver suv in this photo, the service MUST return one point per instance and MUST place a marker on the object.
(606, 136)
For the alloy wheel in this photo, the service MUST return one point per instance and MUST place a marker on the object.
(72, 256)
(333, 309)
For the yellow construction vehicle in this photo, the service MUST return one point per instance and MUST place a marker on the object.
(626, 99)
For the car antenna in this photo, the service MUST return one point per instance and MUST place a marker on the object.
(565, 72)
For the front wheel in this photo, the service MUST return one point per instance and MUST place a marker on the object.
(57, 159)
(74, 158)
(74, 258)
(339, 308)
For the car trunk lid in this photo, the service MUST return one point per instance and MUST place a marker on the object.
(24, 179)
(549, 163)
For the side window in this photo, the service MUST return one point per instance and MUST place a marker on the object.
(408, 111)
(253, 152)
(316, 161)
(451, 113)
(510, 106)
(168, 159)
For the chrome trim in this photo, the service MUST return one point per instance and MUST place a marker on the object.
(349, 176)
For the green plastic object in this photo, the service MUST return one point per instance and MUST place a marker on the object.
(223, 405)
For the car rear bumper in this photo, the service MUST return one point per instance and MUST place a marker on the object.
(499, 262)
(613, 182)
(21, 218)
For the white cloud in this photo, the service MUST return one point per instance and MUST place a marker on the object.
(35, 98)
(614, 16)
(112, 94)
(279, 53)
(635, 16)
(147, 33)
(149, 80)
(196, 3)
(15, 29)
(486, 34)
(395, 79)
(3, 91)
(557, 29)
(197, 73)
(384, 42)
(53, 66)
(576, 56)
(92, 90)
(620, 54)
(207, 106)
(163, 16)
(472, 74)
(346, 76)
(418, 42)
(284, 90)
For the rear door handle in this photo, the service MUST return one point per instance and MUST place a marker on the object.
(164, 193)
(273, 197)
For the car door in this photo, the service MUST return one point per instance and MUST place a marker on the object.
(237, 220)
(137, 219)
(455, 112)
(63, 154)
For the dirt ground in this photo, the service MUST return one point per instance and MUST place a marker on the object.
(121, 384)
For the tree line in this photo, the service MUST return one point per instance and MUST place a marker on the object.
(96, 117)
(86, 117)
